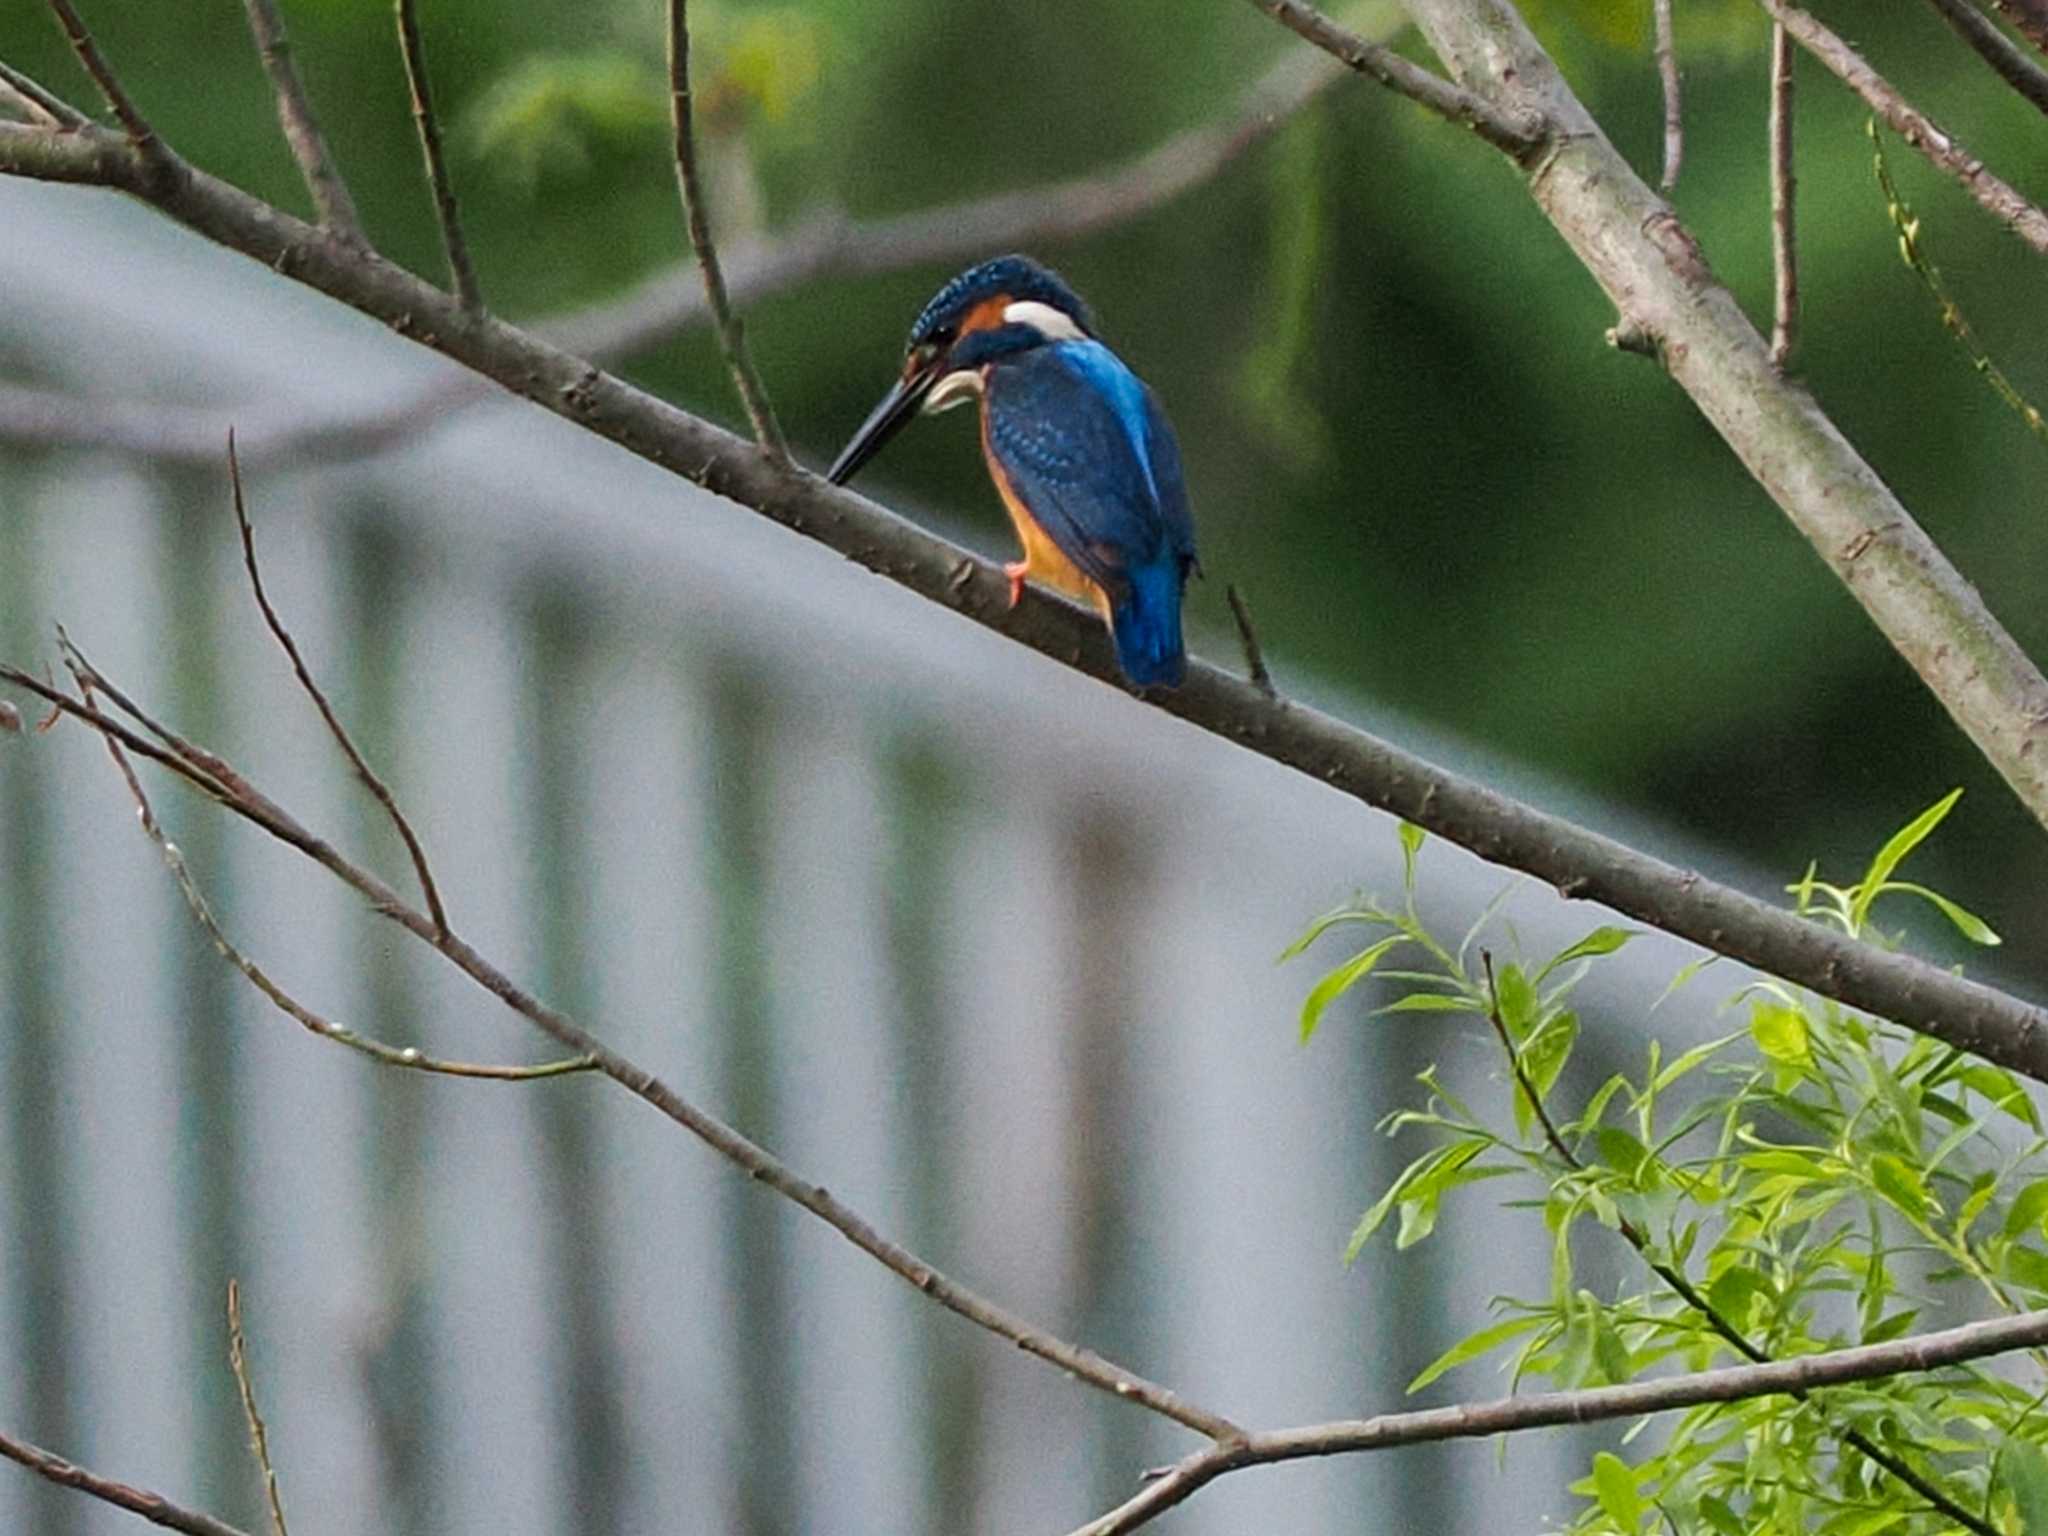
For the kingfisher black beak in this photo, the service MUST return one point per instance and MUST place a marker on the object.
(885, 421)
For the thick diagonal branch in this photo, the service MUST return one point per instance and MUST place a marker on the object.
(1649, 264)
(1580, 863)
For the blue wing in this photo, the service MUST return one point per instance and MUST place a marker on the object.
(1087, 449)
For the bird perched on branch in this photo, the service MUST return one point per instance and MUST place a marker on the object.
(1076, 443)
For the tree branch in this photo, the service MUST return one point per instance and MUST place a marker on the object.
(732, 340)
(221, 782)
(133, 123)
(379, 790)
(259, 1437)
(1784, 243)
(667, 304)
(1652, 268)
(1543, 1410)
(1518, 136)
(407, 1057)
(153, 1507)
(330, 194)
(1674, 113)
(1580, 863)
(460, 272)
(2007, 61)
(2030, 16)
(44, 104)
(2002, 201)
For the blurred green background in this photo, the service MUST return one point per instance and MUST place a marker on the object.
(1406, 440)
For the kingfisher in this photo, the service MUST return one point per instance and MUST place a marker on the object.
(1076, 443)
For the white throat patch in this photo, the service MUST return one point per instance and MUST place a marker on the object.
(956, 388)
(1052, 324)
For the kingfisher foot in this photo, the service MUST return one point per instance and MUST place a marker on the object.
(1016, 570)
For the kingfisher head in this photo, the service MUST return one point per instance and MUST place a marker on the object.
(989, 312)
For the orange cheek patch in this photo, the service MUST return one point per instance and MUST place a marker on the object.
(986, 315)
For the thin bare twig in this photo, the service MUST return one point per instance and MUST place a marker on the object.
(1538, 1410)
(220, 781)
(1998, 198)
(45, 104)
(1517, 137)
(2007, 60)
(1682, 1286)
(1254, 654)
(378, 789)
(408, 1057)
(460, 271)
(1784, 230)
(1674, 110)
(259, 1437)
(133, 123)
(330, 194)
(153, 1507)
(732, 339)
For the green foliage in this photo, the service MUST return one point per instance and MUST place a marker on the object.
(1809, 1180)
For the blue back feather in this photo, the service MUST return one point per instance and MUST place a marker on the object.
(1088, 451)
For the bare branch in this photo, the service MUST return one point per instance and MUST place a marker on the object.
(460, 271)
(153, 1507)
(1518, 137)
(1674, 112)
(2030, 16)
(407, 1057)
(45, 104)
(330, 194)
(1784, 244)
(1543, 1410)
(666, 305)
(1779, 431)
(1652, 268)
(1254, 654)
(1998, 198)
(222, 782)
(379, 791)
(259, 1437)
(2007, 61)
(133, 123)
(732, 339)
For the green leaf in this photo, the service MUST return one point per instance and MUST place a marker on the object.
(2023, 1467)
(1431, 1002)
(2000, 1087)
(1601, 941)
(1615, 1485)
(1472, 1347)
(2025, 1213)
(1780, 1033)
(1542, 1059)
(1517, 1000)
(1609, 1353)
(1716, 1513)
(1894, 852)
(1411, 844)
(1351, 912)
(1890, 1327)
(1900, 1185)
(1342, 980)
(1685, 974)
(1968, 923)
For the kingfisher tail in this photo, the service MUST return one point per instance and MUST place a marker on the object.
(1146, 626)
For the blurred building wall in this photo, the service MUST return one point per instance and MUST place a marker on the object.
(981, 945)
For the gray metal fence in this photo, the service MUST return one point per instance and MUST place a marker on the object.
(982, 946)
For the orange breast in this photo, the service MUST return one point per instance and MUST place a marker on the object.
(1044, 561)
